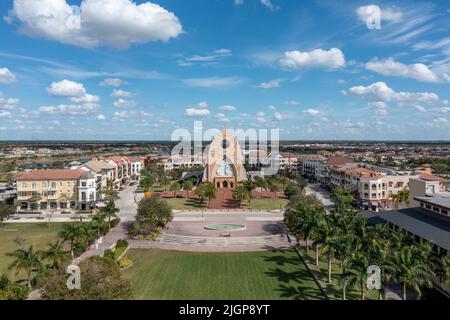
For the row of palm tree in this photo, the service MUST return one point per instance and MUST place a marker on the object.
(76, 234)
(344, 236)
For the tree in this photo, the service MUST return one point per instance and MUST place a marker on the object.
(165, 182)
(342, 197)
(109, 193)
(175, 186)
(207, 190)
(412, 270)
(359, 263)
(71, 232)
(187, 186)
(98, 221)
(240, 193)
(55, 254)
(326, 236)
(101, 279)
(249, 185)
(401, 197)
(147, 182)
(110, 210)
(301, 182)
(5, 211)
(26, 260)
(284, 181)
(301, 218)
(260, 183)
(153, 213)
(12, 291)
(292, 190)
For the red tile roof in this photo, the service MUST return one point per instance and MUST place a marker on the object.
(288, 155)
(338, 161)
(51, 174)
(429, 177)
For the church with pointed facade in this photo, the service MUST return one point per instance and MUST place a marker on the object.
(224, 162)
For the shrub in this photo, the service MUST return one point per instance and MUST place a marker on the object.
(125, 263)
(122, 243)
(114, 222)
(101, 280)
(109, 254)
(79, 248)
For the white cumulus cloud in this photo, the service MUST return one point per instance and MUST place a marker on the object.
(117, 23)
(7, 103)
(228, 108)
(390, 67)
(123, 103)
(333, 58)
(67, 89)
(7, 76)
(201, 110)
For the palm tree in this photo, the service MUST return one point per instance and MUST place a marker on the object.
(165, 182)
(240, 193)
(284, 181)
(210, 192)
(187, 185)
(261, 183)
(315, 233)
(326, 236)
(5, 211)
(411, 270)
(27, 260)
(98, 220)
(249, 185)
(71, 232)
(342, 197)
(109, 210)
(109, 193)
(359, 263)
(55, 254)
(200, 192)
(175, 187)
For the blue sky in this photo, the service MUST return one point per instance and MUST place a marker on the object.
(118, 69)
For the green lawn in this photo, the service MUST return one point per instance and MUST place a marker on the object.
(167, 274)
(13, 235)
(184, 204)
(268, 203)
(257, 204)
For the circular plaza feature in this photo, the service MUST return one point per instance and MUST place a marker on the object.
(226, 227)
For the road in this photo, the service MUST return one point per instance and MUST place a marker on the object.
(321, 194)
(127, 204)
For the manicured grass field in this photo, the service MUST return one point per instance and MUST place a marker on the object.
(15, 235)
(167, 274)
(257, 204)
(268, 203)
(184, 204)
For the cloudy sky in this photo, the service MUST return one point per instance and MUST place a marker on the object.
(122, 69)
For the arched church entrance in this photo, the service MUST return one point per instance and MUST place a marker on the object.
(225, 184)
